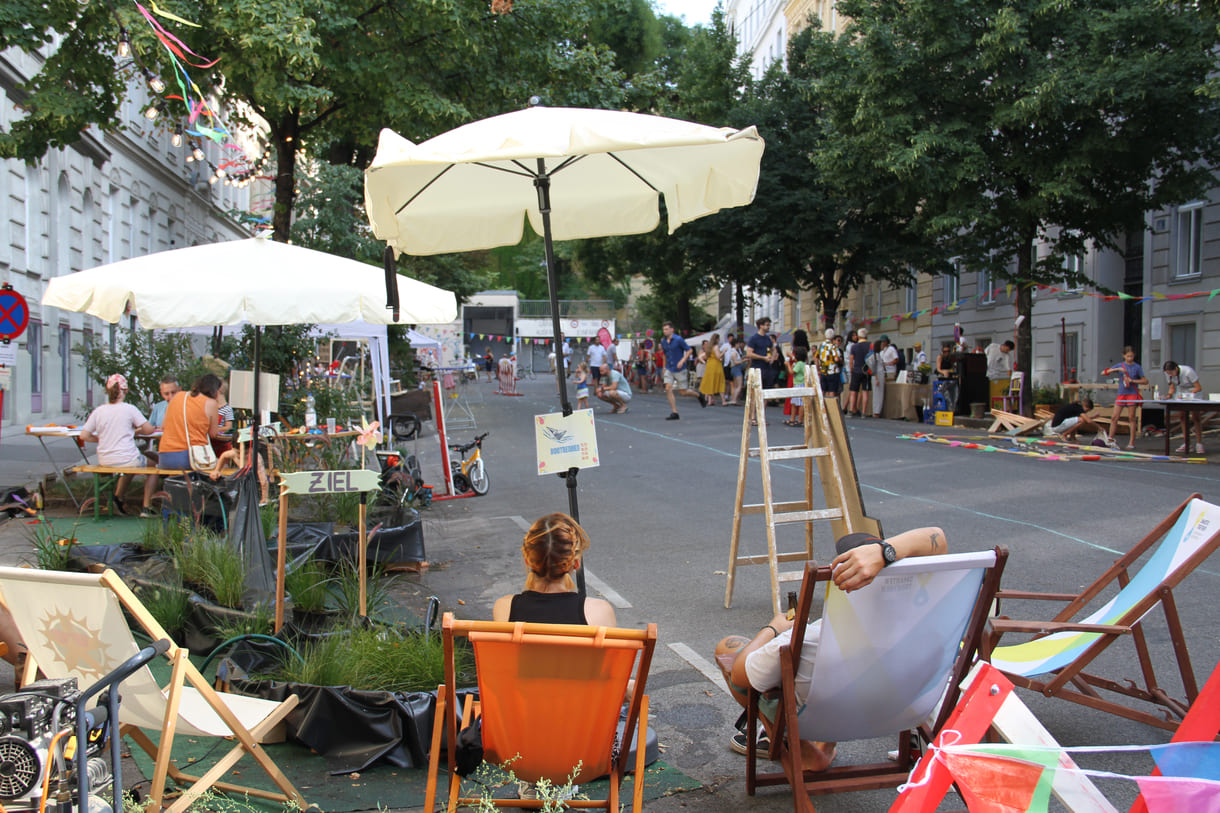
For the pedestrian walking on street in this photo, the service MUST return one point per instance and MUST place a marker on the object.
(677, 352)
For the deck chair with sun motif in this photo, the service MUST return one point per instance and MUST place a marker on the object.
(1053, 663)
(550, 698)
(73, 625)
(890, 657)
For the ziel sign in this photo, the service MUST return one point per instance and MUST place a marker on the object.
(330, 482)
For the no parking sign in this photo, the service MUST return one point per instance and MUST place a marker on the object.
(14, 313)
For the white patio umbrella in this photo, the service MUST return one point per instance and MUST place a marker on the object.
(605, 171)
(258, 281)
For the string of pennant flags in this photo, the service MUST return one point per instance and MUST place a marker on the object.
(869, 321)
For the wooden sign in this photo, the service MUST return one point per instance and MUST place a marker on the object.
(330, 482)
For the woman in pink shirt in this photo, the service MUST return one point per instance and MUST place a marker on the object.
(113, 427)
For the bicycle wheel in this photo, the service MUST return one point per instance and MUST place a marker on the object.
(404, 426)
(479, 481)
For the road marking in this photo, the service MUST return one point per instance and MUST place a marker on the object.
(706, 667)
(611, 595)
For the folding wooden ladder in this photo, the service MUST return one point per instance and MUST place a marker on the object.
(824, 442)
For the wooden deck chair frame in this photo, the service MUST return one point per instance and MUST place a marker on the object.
(583, 645)
(784, 729)
(989, 705)
(1072, 682)
(186, 688)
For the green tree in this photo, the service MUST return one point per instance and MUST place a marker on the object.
(323, 76)
(143, 357)
(995, 123)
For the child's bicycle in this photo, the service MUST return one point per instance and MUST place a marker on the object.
(469, 474)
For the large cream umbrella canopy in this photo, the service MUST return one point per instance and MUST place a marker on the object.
(256, 280)
(473, 187)
(604, 171)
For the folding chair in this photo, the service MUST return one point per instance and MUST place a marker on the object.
(73, 626)
(1063, 648)
(550, 696)
(887, 655)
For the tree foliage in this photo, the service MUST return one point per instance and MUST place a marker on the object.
(994, 123)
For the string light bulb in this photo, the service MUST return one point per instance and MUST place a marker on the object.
(198, 153)
(155, 84)
(176, 139)
(152, 112)
(124, 49)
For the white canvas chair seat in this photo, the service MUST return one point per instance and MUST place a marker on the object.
(73, 625)
(885, 654)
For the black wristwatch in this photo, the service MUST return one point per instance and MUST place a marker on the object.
(888, 554)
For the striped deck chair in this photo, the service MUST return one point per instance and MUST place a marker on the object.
(889, 661)
(1053, 663)
(550, 696)
(73, 626)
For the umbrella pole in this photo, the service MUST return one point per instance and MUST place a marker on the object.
(542, 182)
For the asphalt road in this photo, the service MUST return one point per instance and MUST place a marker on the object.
(659, 509)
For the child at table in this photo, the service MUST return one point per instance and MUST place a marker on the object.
(113, 427)
(1128, 389)
(238, 456)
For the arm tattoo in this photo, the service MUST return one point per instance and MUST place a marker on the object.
(935, 543)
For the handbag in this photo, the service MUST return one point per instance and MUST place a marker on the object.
(202, 456)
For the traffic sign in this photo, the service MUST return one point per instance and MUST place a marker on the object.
(14, 313)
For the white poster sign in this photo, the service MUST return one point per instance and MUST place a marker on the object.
(564, 443)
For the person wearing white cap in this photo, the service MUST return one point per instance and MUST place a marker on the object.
(113, 427)
(830, 362)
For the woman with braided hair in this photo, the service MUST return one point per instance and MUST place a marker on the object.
(552, 550)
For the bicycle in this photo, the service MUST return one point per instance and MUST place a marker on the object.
(469, 474)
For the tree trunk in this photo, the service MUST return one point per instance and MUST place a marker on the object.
(1024, 331)
(740, 301)
(285, 133)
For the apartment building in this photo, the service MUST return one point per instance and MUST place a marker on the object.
(108, 197)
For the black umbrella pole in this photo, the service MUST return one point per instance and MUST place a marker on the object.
(542, 182)
(255, 362)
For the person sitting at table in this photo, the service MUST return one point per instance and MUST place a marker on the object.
(169, 388)
(224, 416)
(192, 419)
(113, 427)
(1182, 379)
(552, 549)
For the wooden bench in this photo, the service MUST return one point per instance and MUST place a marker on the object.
(1012, 424)
(102, 475)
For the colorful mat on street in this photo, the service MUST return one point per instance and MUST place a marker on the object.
(1044, 448)
(383, 787)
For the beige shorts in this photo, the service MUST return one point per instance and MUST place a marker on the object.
(680, 380)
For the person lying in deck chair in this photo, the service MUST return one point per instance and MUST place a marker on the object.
(755, 661)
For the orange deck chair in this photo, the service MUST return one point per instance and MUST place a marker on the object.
(550, 696)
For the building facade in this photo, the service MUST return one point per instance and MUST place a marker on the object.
(109, 197)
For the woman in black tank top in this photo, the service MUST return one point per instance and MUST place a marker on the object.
(552, 549)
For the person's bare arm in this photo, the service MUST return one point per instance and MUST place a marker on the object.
(774, 627)
(146, 429)
(212, 410)
(500, 610)
(859, 566)
(599, 613)
(87, 436)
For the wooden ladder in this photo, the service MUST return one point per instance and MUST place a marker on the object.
(825, 444)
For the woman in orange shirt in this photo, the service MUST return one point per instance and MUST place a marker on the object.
(190, 420)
